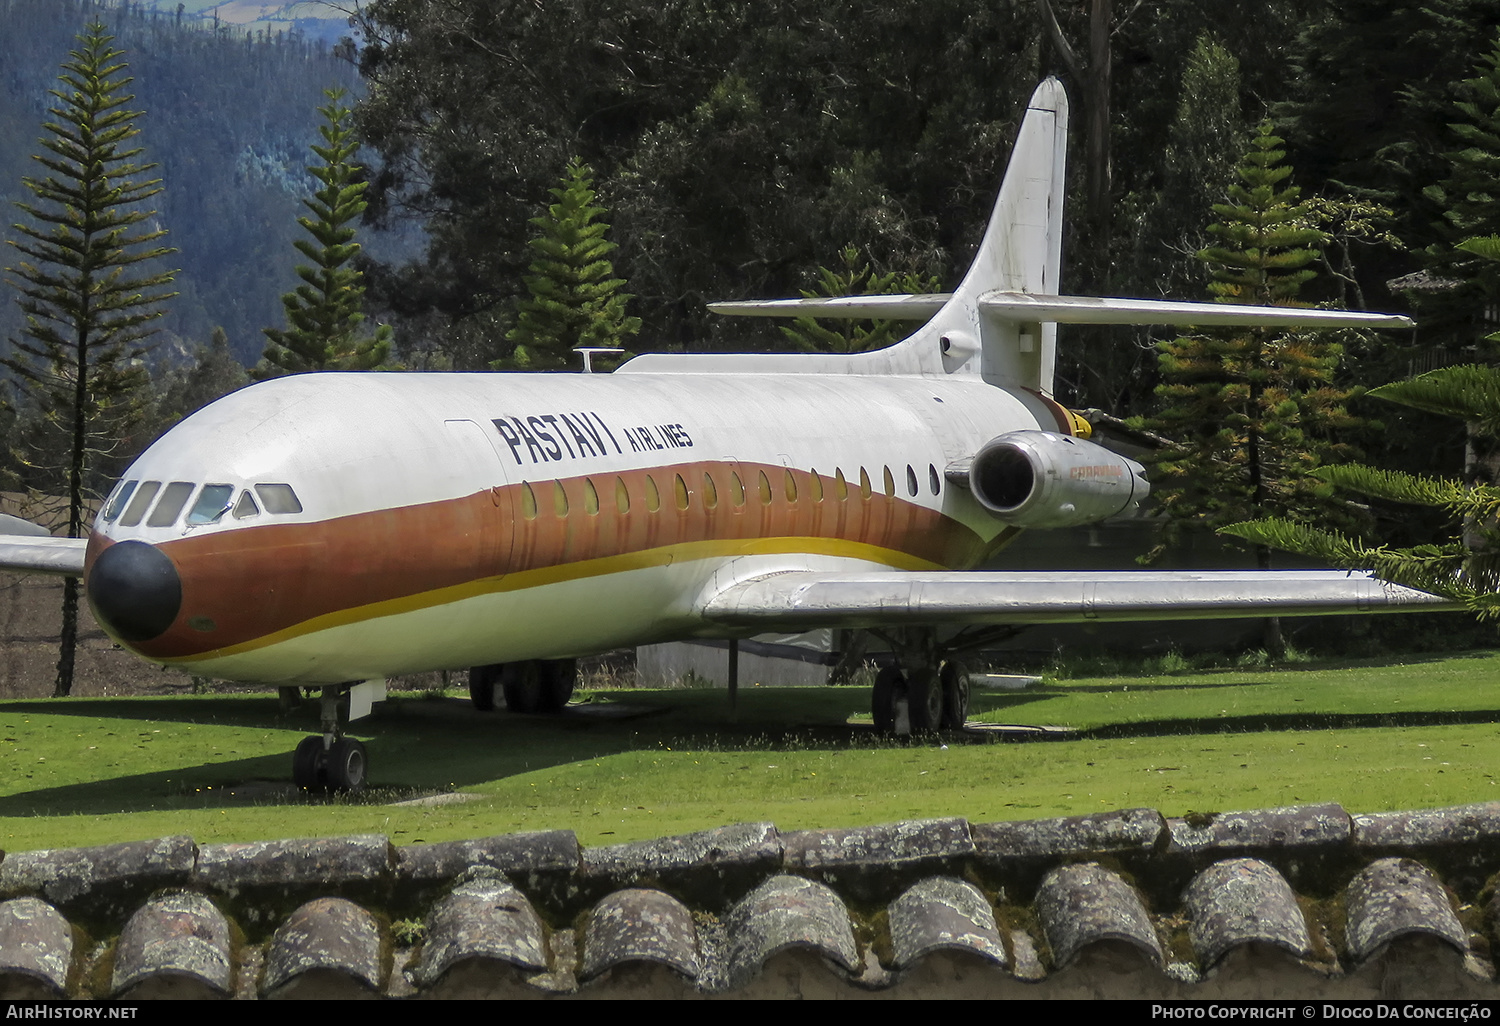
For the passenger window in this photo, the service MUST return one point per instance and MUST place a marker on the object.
(840, 486)
(622, 496)
(864, 484)
(213, 503)
(736, 489)
(559, 499)
(789, 486)
(653, 497)
(246, 507)
(710, 492)
(528, 501)
(765, 489)
(590, 497)
(911, 480)
(817, 487)
(173, 497)
(887, 479)
(143, 496)
(117, 503)
(278, 498)
(933, 479)
(679, 487)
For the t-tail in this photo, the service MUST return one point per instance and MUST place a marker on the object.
(1001, 321)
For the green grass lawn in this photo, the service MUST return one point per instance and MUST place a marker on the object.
(634, 764)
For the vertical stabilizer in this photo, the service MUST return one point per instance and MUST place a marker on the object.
(1021, 252)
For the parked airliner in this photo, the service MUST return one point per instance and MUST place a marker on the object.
(337, 529)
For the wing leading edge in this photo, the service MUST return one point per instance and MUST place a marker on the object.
(61, 557)
(808, 600)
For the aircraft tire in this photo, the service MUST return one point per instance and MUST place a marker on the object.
(924, 694)
(883, 698)
(523, 684)
(482, 686)
(559, 676)
(307, 763)
(955, 688)
(348, 765)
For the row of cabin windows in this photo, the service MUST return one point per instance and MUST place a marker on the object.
(737, 493)
(130, 502)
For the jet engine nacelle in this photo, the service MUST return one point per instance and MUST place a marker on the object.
(1043, 479)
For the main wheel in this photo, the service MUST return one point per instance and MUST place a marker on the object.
(558, 679)
(924, 695)
(955, 688)
(524, 685)
(307, 763)
(347, 764)
(482, 686)
(883, 698)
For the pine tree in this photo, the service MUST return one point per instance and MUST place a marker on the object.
(1466, 567)
(325, 314)
(856, 279)
(88, 301)
(1253, 411)
(573, 299)
(1462, 287)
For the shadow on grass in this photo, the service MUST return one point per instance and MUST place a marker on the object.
(1270, 722)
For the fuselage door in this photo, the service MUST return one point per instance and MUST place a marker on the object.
(488, 514)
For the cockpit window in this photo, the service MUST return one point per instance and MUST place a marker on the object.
(278, 498)
(117, 503)
(246, 507)
(173, 497)
(213, 503)
(143, 496)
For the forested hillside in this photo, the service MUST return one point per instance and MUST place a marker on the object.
(228, 118)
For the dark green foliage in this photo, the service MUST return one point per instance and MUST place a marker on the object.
(88, 302)
(326, 312)
(1468, 205)
(212, 372)
(1254, 411)
(574, 298)
(813, 335)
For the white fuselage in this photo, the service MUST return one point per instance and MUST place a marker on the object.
(450, 520)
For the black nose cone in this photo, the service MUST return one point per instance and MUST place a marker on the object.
(134, 590)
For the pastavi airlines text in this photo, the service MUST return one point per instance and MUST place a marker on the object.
(550, 437)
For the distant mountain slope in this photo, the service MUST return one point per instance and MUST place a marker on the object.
(316, 20)
(229, 119)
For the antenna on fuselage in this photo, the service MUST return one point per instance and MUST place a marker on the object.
(587, 352)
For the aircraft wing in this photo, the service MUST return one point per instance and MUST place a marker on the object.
(43, 554)
(808, 599)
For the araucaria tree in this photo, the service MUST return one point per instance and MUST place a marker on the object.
(856, 279)
(88, 300)
(1253, 411)
(1465, 567)
(325, 314)
(574, 298)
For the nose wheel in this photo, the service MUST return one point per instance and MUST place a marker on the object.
(330, 761)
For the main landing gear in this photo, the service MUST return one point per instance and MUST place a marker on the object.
(926, 689)
(331, 761)
(532, 686)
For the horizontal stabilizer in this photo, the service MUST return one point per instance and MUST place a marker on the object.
(62, 557)
(888, 308)
(1029, 307)
(807, 599)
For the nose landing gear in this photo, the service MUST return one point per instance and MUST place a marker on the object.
(330, 761)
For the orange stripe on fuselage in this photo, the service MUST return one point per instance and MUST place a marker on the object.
(246, 584)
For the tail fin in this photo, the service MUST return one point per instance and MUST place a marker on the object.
(1021, 252)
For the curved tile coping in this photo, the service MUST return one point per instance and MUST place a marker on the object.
(1085, 904)
(181, 934)
(639, 925)
(1394, 897)
(1243, 901)
(35, 941)
(482, 917)
(790, 912)
(941, 913)
(326, 933)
